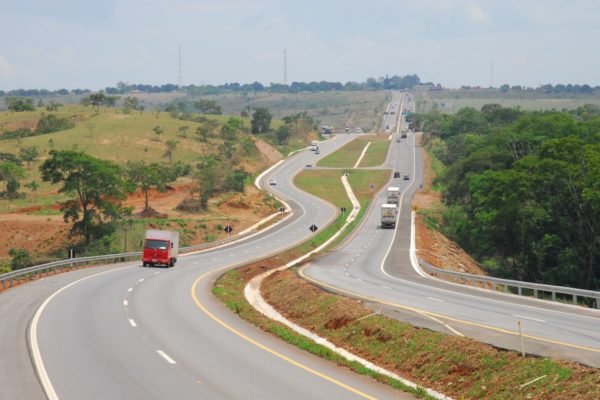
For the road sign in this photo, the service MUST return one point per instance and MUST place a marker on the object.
(313, 228)
(282, 209)
(343, 209)
(228, 229)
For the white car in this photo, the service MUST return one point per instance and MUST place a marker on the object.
(272, 182)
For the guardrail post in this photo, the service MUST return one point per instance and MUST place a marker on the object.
(494, 286)
(519, 292)
(575, 299)
(535, 293)
(598, 303)
(553, 296)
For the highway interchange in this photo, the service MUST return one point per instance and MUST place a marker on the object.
(127, 332)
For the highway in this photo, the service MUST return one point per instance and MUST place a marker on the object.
(128, 332)
(375, 265)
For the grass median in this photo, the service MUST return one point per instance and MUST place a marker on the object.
(348, 154)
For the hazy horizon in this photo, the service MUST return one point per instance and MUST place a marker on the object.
(68, 44)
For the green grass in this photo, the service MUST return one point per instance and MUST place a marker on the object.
(109, 135)
(376, 154)
(347, 156)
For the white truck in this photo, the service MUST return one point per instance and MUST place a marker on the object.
(160, 247)
(393, 195)
(388, 215)
(314, 146)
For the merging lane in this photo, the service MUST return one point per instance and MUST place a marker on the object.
(376, 265)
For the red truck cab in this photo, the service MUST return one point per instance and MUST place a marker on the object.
(160, 248)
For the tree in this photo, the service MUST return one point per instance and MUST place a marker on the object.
(20, 259)
(99, 99)
(146, 177)
(282, 134)
(205, 106)
(11, 173)
(171, 146)
(131, 103)
(33, 186)
(19, 104)
(98, 187)
(183, 131)
(158, 131)
(202, 133)
(29, 154)
(261, 120)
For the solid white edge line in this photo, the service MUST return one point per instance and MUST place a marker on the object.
(528, 318)
(36, 355)
(166, 357)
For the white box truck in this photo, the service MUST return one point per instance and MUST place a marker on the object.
(314, 145)
(388, 215)
(160, 248)
(393, 195)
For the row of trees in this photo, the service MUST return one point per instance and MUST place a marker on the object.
(523, 190)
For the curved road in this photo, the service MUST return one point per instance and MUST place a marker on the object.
(375, 265)
(129, 332)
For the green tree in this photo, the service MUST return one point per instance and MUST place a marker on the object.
(11, 173)
(202, 132)
(20, 259)
(171, 146)
(19, 104)
(98, 187)
(261, 120)
(205, 106)
(146, 177)
(131, 103)
(158, 131)
(29, 154)
(282, 134)
(33, 186)
(183, 131)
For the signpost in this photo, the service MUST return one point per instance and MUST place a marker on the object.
(281, 209)
(313, 228)
(343, 209)
(228, 229)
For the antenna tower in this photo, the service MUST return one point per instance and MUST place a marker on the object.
(179, 80)
(285, 67)
(492, 73)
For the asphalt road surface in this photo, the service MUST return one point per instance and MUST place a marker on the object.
(129, 332)
(375, 265)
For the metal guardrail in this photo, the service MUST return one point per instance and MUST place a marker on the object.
(9, 279)
(539, 291)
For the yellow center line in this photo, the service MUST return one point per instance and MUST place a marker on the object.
(265, 348)
(453, 319)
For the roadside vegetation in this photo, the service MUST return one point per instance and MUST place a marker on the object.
(522, 189)
(102, 164)
(459, 367)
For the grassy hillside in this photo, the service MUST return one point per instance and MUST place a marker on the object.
(112, 135)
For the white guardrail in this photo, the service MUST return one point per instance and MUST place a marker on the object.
(540, 291)
(10, 278)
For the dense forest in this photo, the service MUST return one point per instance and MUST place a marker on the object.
(522, 189)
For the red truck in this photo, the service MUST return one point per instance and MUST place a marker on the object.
(160, 248)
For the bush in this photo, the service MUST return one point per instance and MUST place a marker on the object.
(20, 259)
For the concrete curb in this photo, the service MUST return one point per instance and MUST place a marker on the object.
(253, 296)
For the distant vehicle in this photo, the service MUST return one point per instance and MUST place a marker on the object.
(308, 165)
(387, 127)
(403, 135)
(347, 129)
(398, 140)
(385, 113)
(272, 182)
(160, 248)
(327, 130)
(396, 174)
(358, 130)
(317, 151)
(388, 215)
(392, 112)
(393, 195)
(406, 178)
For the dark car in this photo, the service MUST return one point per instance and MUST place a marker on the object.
(396, 174)
(406, 177)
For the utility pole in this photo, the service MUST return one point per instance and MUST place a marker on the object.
(179, 80)
(285, 67)
(492, 73)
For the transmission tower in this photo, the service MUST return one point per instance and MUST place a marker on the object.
(285, 67)
(179, 80)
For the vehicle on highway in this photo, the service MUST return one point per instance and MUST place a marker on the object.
(317, 151)
(396, 174)
(403, 136)
(406, 177)
(393, 195)
(388, 215)
(272, 182)
(308, 165)
(398, 140)
(387, 127)
(161, 247)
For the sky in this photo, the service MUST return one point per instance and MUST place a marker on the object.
(92, 44)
